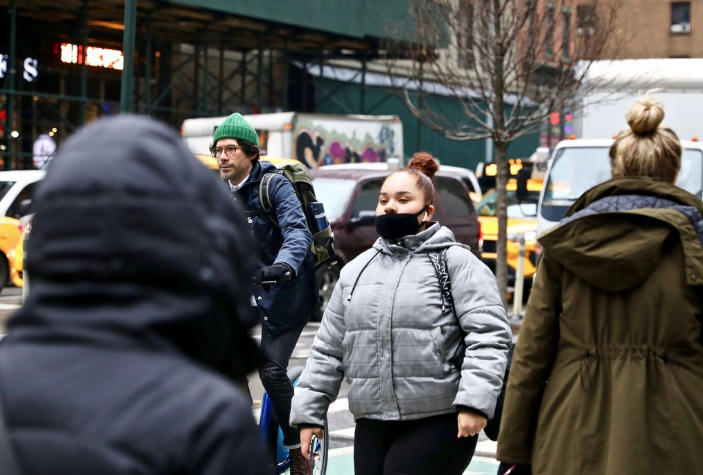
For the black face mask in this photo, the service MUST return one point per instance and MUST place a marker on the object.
(397, 225)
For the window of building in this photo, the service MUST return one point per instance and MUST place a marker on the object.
(566, 35)
(681, 17)
(585, 20)
(549, 32)
(465, 40)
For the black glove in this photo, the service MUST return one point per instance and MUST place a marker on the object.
(276, 273)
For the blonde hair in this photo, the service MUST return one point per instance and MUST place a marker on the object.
(646, 148)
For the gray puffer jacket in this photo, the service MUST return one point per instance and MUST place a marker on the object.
(386, 332)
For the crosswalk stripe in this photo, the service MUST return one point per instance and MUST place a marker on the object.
(9, 306)
(347, 433)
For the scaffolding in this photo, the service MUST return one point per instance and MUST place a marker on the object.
(180, 61)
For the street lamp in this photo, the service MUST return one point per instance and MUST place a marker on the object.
(14, 134)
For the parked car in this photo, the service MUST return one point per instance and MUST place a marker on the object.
(16, 192)
(16, 255)
(350, 195)
(522, 219)
(466, 175)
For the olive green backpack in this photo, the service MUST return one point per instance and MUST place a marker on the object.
(297, 173)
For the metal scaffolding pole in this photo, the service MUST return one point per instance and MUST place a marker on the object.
(206, 82)
(243, 67)
(221, 88)
(286, 59)
(10, 124)
(130, 23)
(260, 77)
(84, 66)
(196, 79)
(271, 78)
(362, 95)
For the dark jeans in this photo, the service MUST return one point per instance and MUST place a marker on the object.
(274, 375)
(421, 447)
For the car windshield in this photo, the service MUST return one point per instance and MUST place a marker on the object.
(5, 187)
(335, 194)
(575, 170)
(487, 206)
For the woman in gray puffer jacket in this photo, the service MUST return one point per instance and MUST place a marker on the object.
(424, 378)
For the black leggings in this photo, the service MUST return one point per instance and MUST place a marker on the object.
(423, 447)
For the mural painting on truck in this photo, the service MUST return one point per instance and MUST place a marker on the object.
(380, 100)
(327, 142)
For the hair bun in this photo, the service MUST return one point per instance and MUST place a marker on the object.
(425, 163)
(645, 115)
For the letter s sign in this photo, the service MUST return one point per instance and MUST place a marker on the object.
(30, 69)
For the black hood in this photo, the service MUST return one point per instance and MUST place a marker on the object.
(135, 242)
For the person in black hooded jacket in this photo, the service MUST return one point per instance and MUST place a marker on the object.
(122, 359)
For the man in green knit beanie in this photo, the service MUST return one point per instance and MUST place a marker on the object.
(285, 291)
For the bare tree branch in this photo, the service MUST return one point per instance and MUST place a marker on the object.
(507, 64)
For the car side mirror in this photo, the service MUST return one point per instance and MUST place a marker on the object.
(522, 194)
(364, 218)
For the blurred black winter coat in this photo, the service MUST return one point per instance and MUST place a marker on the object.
(121, 360)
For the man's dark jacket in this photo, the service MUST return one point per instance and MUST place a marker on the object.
(120, 361)
(290, 304)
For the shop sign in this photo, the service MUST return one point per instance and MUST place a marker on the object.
(30, 72)
(98, 57)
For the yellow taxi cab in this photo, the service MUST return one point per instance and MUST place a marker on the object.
(522, 219)
(16, 255)
(10, 235)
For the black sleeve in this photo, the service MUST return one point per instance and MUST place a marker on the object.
(230, 445)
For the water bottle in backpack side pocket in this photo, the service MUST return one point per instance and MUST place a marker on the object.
(317, 211)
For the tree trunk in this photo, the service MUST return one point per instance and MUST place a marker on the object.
(501, 160)
(497, 78)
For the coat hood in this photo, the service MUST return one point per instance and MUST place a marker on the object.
(134, 243)
(617, 232)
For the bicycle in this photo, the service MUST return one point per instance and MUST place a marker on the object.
(271, 431)
(273, 435)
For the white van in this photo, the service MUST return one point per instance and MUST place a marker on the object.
(578, 165)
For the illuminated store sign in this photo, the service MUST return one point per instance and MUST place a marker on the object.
(30, 72)
(98, 57)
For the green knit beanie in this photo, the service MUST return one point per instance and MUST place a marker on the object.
(236, 127)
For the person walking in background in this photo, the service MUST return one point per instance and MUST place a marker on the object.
(284, 257)
(607, 374)
(424, 378)
(122, 358)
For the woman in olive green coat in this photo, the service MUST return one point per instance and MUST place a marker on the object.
(607, 376)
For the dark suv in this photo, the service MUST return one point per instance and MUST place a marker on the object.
(350, 196)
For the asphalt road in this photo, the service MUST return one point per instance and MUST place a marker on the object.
(340, 420)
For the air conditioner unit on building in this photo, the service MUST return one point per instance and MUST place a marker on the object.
(681, 28)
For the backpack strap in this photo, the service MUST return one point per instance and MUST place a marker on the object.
(265, 198)
(441, 267)
(8, 460)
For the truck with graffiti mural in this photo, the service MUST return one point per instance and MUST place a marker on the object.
(314, 139)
